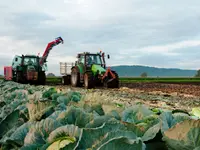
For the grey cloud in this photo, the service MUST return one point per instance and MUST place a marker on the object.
(115, 30)
(29, 19)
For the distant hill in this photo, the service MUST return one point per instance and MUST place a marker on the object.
(135, 71)
(50, 75)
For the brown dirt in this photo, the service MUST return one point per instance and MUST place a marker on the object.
(166, 96)
(189, 89)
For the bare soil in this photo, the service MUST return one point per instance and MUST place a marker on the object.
(159, 95)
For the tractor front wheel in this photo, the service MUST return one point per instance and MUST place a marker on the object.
(41, 78)
(88, 81)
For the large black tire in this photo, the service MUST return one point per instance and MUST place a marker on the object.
(114, 83)
(89, 82)
(41, 78)
(75, 78)
(19, 77)
(66, 80)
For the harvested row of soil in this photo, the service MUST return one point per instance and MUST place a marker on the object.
(165, 87)
(165, 96)
(180, 88)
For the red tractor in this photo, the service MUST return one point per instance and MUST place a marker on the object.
(30, 68)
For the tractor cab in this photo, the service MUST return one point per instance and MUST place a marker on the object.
(31, 62)
(88, 59)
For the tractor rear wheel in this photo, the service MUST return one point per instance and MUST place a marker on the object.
(41, 78)
(19, 77)
(75, 78)
(88, 81)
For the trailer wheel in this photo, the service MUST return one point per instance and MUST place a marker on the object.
(88, 81)
(66, 80)
(75, 78)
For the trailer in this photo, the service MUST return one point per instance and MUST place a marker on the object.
(65, 71)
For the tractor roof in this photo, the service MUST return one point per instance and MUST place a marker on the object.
(88, 53)
(34, 56)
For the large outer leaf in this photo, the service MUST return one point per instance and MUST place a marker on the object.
(33, 137)
(63, 99)
(46, 126)
(40, 109)
(17, 138)
(123, 143)
(93, 135)
(169, 119)
(65, 133)
(184, 135)
(71, 96)
(31, 147)
(62, 143)
(74, 96)
(151, 132)
(9, 122)
(68, 130)
(94, 107)
(196, 112)
(118, 140)
(76, 116)
(98, 121)
(146, 124)
(55, 115)
(136, 114)
(48, 93)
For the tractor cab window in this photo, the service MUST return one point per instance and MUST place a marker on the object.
(30, 60)
(97, 59)
(89, 59)
(93, 59)
(82, 59)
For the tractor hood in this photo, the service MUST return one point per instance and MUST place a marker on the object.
(96, 68)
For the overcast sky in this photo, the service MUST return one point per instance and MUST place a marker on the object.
(134, 32)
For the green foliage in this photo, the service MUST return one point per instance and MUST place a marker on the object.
(196, 112)
(48, 93)
(143, 75)
(184, 135)
(198, 73)
(52, 120)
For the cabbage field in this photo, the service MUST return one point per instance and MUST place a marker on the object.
(61, 118)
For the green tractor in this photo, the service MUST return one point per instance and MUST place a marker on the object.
(30, 68)
(26, 69)
(90, 71)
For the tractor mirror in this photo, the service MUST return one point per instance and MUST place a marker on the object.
(78, 56)
(108, 56)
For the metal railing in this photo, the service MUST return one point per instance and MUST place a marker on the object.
(65, 68)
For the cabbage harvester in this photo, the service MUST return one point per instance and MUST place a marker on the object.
(30, 68)
(89, 71)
